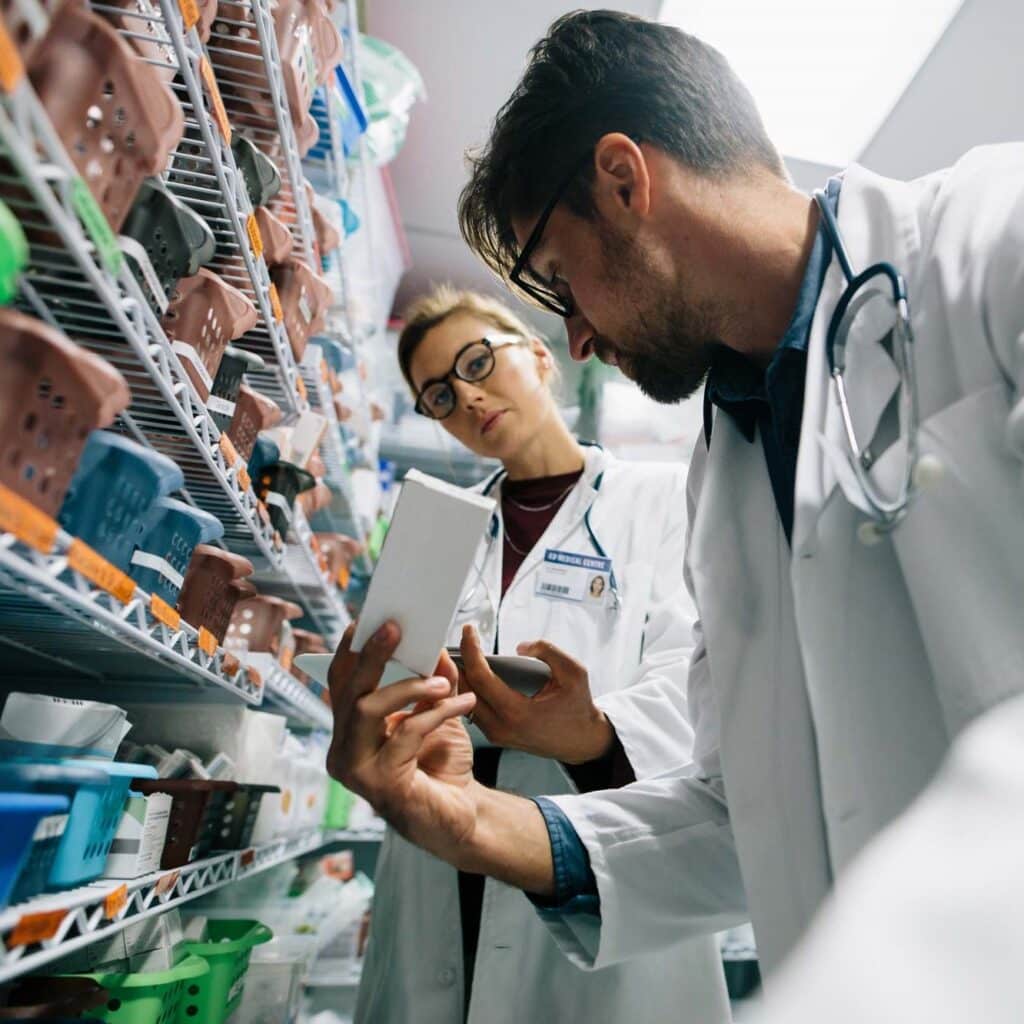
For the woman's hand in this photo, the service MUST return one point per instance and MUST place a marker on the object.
(561, 721)
(414, 766)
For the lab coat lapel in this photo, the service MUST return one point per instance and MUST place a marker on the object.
(876, 220)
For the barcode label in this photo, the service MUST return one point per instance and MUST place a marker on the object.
(554, 588)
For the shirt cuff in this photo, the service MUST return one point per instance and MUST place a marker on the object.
(575, 884)
(611, 771)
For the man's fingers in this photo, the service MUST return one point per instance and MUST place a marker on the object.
(381, 703)
(447, 669)
(561, 664)
(408, 735)
(478, 676)
(352, 673)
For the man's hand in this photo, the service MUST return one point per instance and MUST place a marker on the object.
(561, 721)
(414, 766)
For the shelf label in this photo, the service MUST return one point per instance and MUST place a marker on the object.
(165, 883)
(163, 612)
(37, 927)
(207, 641)
(247, 857)
(244, 480)
(229, 664)
(324, 375)
(255, 239)
(96, 225)
(220, 405)
(275, 303)
(228, 449)
(286, 658)
(300, 386)
(26, 522)
(95, 568)
(220, 115)
(344, 577)
(114, 902)
(11, 68)
(189, 13)
(255, 678)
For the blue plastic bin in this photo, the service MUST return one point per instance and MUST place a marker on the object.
(50, 779)
(109, 504)
(175, 531)
(20, 814)
(97, 804)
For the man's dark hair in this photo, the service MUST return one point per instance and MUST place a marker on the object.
(597, 72)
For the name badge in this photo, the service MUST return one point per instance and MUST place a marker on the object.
(566, 576)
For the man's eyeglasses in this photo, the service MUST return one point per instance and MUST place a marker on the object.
(552, 295)
(473, 363)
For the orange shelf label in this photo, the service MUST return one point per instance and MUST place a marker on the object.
(11, 68)
(163, 612)
(26, 522)
(167, 882)
(344, 577)
(275, 303)
(247, 857)
(189, 13)
(255, 239)
(229, 664)
(286, 658)
(207, 641)
(300, 386)
(37, 927)
(114, 902)
(254, 677)
(228, 449)
(95, 568)
(286, 801)
(220, 115)
(244, 480)
(324, 375)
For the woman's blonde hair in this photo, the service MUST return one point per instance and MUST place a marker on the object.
(444, 301)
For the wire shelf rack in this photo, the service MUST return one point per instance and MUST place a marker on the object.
(49, 927)
(285, 692)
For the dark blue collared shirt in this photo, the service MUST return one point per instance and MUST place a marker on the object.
(769, 402)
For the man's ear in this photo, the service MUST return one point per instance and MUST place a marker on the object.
(622, 184)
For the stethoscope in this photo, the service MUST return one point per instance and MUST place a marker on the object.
(886, 513)
(468, 605)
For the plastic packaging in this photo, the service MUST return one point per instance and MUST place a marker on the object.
(210, 591)
(277, 239)
(116, 116)
(227, 954)
(176, 240)
(273, 983)
(260, 173)
(233, 365)
(391, 85)
(52, 395)
(161, 560)
(305, 298)
(110, 502)
(256, 623)
(13, 253)
(278, 486)
(196, 814)
(35, 725)
(205, 313)
(253, 413)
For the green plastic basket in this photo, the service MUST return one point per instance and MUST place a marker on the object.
(156, 997)
(227, 954)
(13, 254)
(339, 805)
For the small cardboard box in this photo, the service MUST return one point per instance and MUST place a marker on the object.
(139, 840)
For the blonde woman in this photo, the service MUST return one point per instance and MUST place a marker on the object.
(447, 947)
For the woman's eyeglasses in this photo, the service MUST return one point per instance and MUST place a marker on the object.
(473, 363)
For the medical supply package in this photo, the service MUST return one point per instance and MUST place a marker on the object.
(427, 555)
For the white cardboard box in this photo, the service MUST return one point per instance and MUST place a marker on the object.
(139, 840)
(427, 555)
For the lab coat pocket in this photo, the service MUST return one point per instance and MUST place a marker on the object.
(961, 551)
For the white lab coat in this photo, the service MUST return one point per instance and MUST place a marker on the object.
(831, 677)
(414, 971)
(927, 926)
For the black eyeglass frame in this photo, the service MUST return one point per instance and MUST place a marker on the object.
(549, 299)
(492, 343)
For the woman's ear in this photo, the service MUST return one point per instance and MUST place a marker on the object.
(545, 360)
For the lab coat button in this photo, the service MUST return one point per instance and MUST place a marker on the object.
(446, 976)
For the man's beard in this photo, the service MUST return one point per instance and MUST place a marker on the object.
(671, 341)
